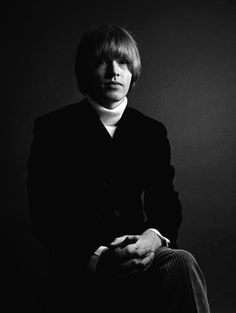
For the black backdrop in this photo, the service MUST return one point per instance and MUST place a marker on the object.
(188, 52)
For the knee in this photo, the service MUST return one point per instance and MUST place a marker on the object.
(185, 256)
(184, 267)
(184, 259)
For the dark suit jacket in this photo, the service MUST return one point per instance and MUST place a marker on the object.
(85, 188)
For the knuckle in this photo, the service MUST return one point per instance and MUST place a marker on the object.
(130, 249)
(142, 265)
(135, 262)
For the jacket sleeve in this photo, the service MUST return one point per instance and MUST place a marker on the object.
(161, 202)
(57, 213)
(40, 184)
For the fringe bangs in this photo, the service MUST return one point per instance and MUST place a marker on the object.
(117, 46)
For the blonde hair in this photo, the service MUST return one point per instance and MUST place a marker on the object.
(106, 42)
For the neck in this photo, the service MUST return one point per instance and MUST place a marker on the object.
(108, 106)
(111, 106)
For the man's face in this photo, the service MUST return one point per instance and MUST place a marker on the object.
(110, 82)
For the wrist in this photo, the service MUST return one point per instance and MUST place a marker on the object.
(94, 259)
(100, 250)
(92, 263)
(164, 241)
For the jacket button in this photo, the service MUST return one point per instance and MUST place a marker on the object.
(105, 184)
(117, 212)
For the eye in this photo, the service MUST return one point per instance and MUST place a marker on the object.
(101, 62)
(122, 61)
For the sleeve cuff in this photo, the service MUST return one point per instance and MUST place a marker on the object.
(165, 240)
(100, 250)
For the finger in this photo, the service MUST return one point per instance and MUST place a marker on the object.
(130, 265)
(124, 240)
(137, 264)
(142, 252)
(133, 250)
(125, 252)
(147, 261)
(129, 240)
(118, 240)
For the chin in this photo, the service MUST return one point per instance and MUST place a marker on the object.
(113, 97)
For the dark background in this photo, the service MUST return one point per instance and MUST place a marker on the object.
(188, 52)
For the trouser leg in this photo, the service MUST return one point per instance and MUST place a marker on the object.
(180, 282)
(174, 283)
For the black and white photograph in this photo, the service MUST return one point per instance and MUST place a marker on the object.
(118, 157)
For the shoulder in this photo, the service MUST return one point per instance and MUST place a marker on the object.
(152, 134)
(149, 124)
(60, 118)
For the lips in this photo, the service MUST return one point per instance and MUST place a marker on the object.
(112, 84)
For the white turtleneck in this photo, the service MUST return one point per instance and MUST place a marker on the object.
(109, 117)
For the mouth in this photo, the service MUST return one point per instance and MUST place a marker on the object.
(112, 84)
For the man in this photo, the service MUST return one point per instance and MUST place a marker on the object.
(101, 193)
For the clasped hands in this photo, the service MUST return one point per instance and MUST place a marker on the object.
(129, 254)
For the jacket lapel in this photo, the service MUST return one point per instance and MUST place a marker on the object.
(127, 129)
(93, 125)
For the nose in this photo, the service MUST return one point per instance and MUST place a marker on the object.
(113, 68)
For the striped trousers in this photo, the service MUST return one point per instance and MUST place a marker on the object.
(174, 283)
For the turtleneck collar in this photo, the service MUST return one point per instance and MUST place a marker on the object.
(109, 117)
